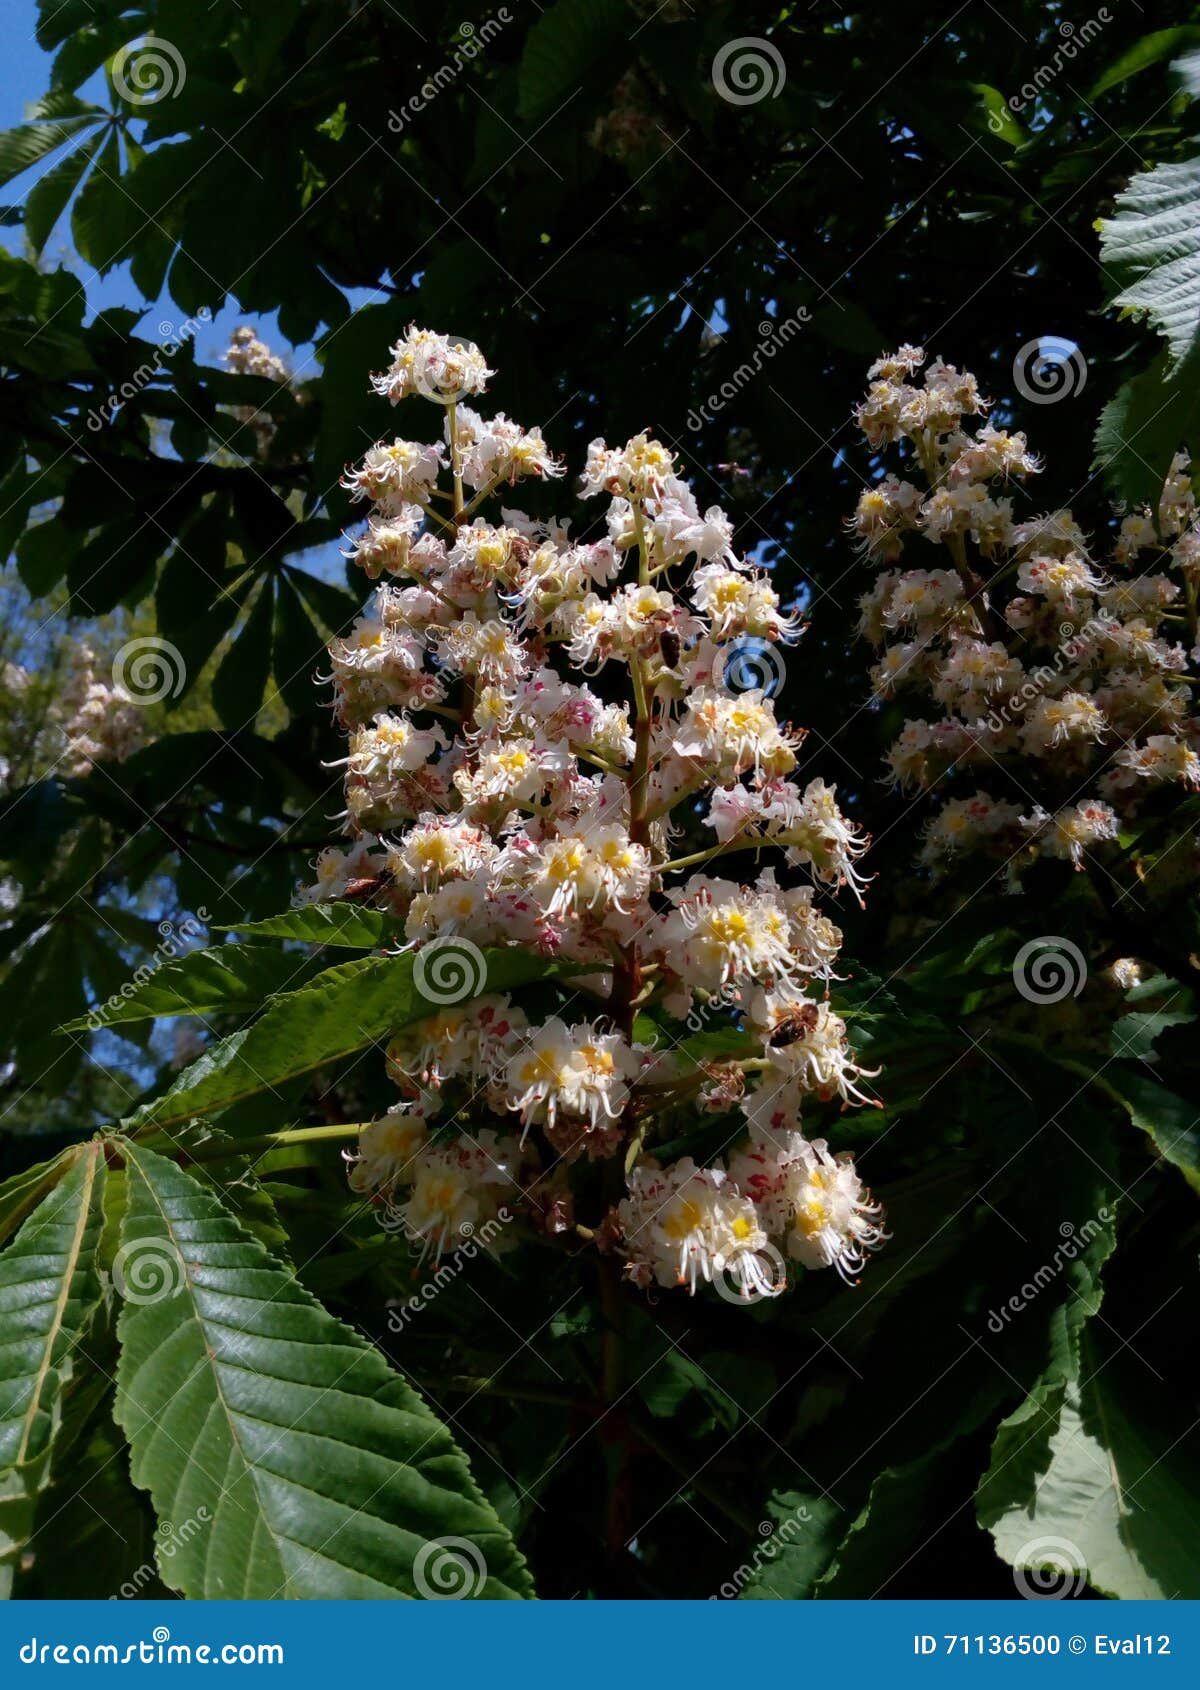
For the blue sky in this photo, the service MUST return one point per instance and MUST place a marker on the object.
(24, 76)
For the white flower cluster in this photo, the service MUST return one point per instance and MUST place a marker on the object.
(494, 797)
(685, 1223)
(97, 720)
(1056, 683)
(246, 355)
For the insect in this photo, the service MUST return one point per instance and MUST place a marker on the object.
(668, 645)
(358, 891)
(793, 1026)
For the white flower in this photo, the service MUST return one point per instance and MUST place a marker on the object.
(395, 476)
(489, 649)
(884, 513)
(720, 932)
(1162, 758)
(501, 450)
(683, 1224)
(456, 1188)
(574, 1071)
(738, 603)
(728, 733)
(808, 1046)
(1064, 577)
(1068, 720)
(432, 365)
(1070, 832)
(590, 871)
(387, 1150)
(337, 869)
(964, 824)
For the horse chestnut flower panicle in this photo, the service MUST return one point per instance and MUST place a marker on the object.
(496, 798)
(1051, 672)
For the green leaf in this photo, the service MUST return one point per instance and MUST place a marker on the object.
(43, 552)
(355, 1004)
(997, 114)
(1154, 242)
(324, 924)
(1116, 1504)
(1021, 1447)
(322, 1473)
(49, 1290)
(573, 43)
(109, 1525)
(99, 212)
(296, 650)
(1172, 1122)
(1152, 49)
(48, 200)
(21, 1193)
(224, 979)
(241, 677)
(785, 1566)
(28, 142)
(1143, 425)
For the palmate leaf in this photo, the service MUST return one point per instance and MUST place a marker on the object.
(319, 1472)
(224, 979)
(343, 1010)
(49, 1289)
